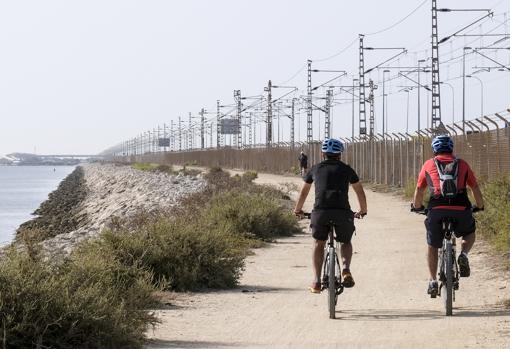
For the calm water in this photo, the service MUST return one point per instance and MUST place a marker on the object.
(22, 189)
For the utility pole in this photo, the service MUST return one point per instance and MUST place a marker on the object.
(327, 117)
(419, 93)
(180, 134)
(190, 133)
(211, 135)
(292, 115)
(384, 116)
(269, 132)
(237, 97)
(362, 105)
(165, 137)
(464, 88)
(250, 129)
(158, 148)
(218, 125)
(436, 93)
(309, 111)
(353, 111)
(371, 101)
(202, 129)
(172, 136)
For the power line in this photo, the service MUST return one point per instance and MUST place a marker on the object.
(400, 21)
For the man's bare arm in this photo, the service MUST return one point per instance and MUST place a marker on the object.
(302, 197)
(418, 197)
(362, 199)
(477, 193)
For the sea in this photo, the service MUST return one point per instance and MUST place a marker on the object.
(22, 190)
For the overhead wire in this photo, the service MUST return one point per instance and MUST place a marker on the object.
(400, 21)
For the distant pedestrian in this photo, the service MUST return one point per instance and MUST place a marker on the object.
(303, 163)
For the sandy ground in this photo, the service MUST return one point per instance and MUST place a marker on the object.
(388, 307)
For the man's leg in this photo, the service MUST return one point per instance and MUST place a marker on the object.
(318, 259)
(432, 259)
(467, 242)
(346, 253)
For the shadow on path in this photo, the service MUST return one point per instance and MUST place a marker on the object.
(388, 314)
(419, 314)
(164, 344)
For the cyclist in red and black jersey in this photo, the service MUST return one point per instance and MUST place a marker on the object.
(457, 207)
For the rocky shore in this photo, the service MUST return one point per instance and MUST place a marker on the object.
(95, 194)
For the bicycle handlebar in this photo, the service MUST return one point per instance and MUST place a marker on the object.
(422, 210)
(308, 215)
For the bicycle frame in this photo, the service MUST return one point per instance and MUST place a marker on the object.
(448, 270)
(331, 267)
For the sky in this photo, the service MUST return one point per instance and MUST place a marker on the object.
(77, 77)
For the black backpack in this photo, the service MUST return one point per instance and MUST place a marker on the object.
(448, 174)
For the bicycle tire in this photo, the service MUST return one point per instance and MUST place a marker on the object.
(331, 283)
(448, 263)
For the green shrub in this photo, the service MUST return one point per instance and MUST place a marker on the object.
(89, 301)
(164, 168)
(253, 215)
(190, 171)
(494, 222)
(153, 167)
(182, 251)
(249, 176)
(144, 166)
(506, 303)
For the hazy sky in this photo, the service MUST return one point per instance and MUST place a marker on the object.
(80, 76)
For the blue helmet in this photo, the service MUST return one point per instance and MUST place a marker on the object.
(442, 144)
(332, 146)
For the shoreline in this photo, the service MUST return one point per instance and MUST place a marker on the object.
(23, 189)
(94, 194)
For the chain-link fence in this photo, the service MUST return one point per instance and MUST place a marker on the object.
(391, 159)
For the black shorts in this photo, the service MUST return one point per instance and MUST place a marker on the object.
(343, 221)
(464, 225)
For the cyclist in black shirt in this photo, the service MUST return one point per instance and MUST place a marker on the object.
(332, 178)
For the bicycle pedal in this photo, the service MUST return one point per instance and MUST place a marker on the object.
(456, 286)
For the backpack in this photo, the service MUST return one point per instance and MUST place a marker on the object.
(448, 174)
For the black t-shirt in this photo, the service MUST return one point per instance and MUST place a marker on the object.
(332, 178)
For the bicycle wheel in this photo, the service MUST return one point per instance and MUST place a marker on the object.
(331, 283)
(448, 264)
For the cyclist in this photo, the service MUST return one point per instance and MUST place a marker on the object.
(444, 204)
(332, 178)
(303, 163)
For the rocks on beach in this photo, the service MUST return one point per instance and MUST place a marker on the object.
(114, 191)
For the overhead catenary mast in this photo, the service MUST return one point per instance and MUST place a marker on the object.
(436, 95)
(362, 105)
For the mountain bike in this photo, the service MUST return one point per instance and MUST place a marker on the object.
(331, 271)
(448, 268)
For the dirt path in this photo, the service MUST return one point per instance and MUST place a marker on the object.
(388, 307)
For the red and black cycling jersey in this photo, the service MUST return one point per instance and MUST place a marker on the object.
(429, 176)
